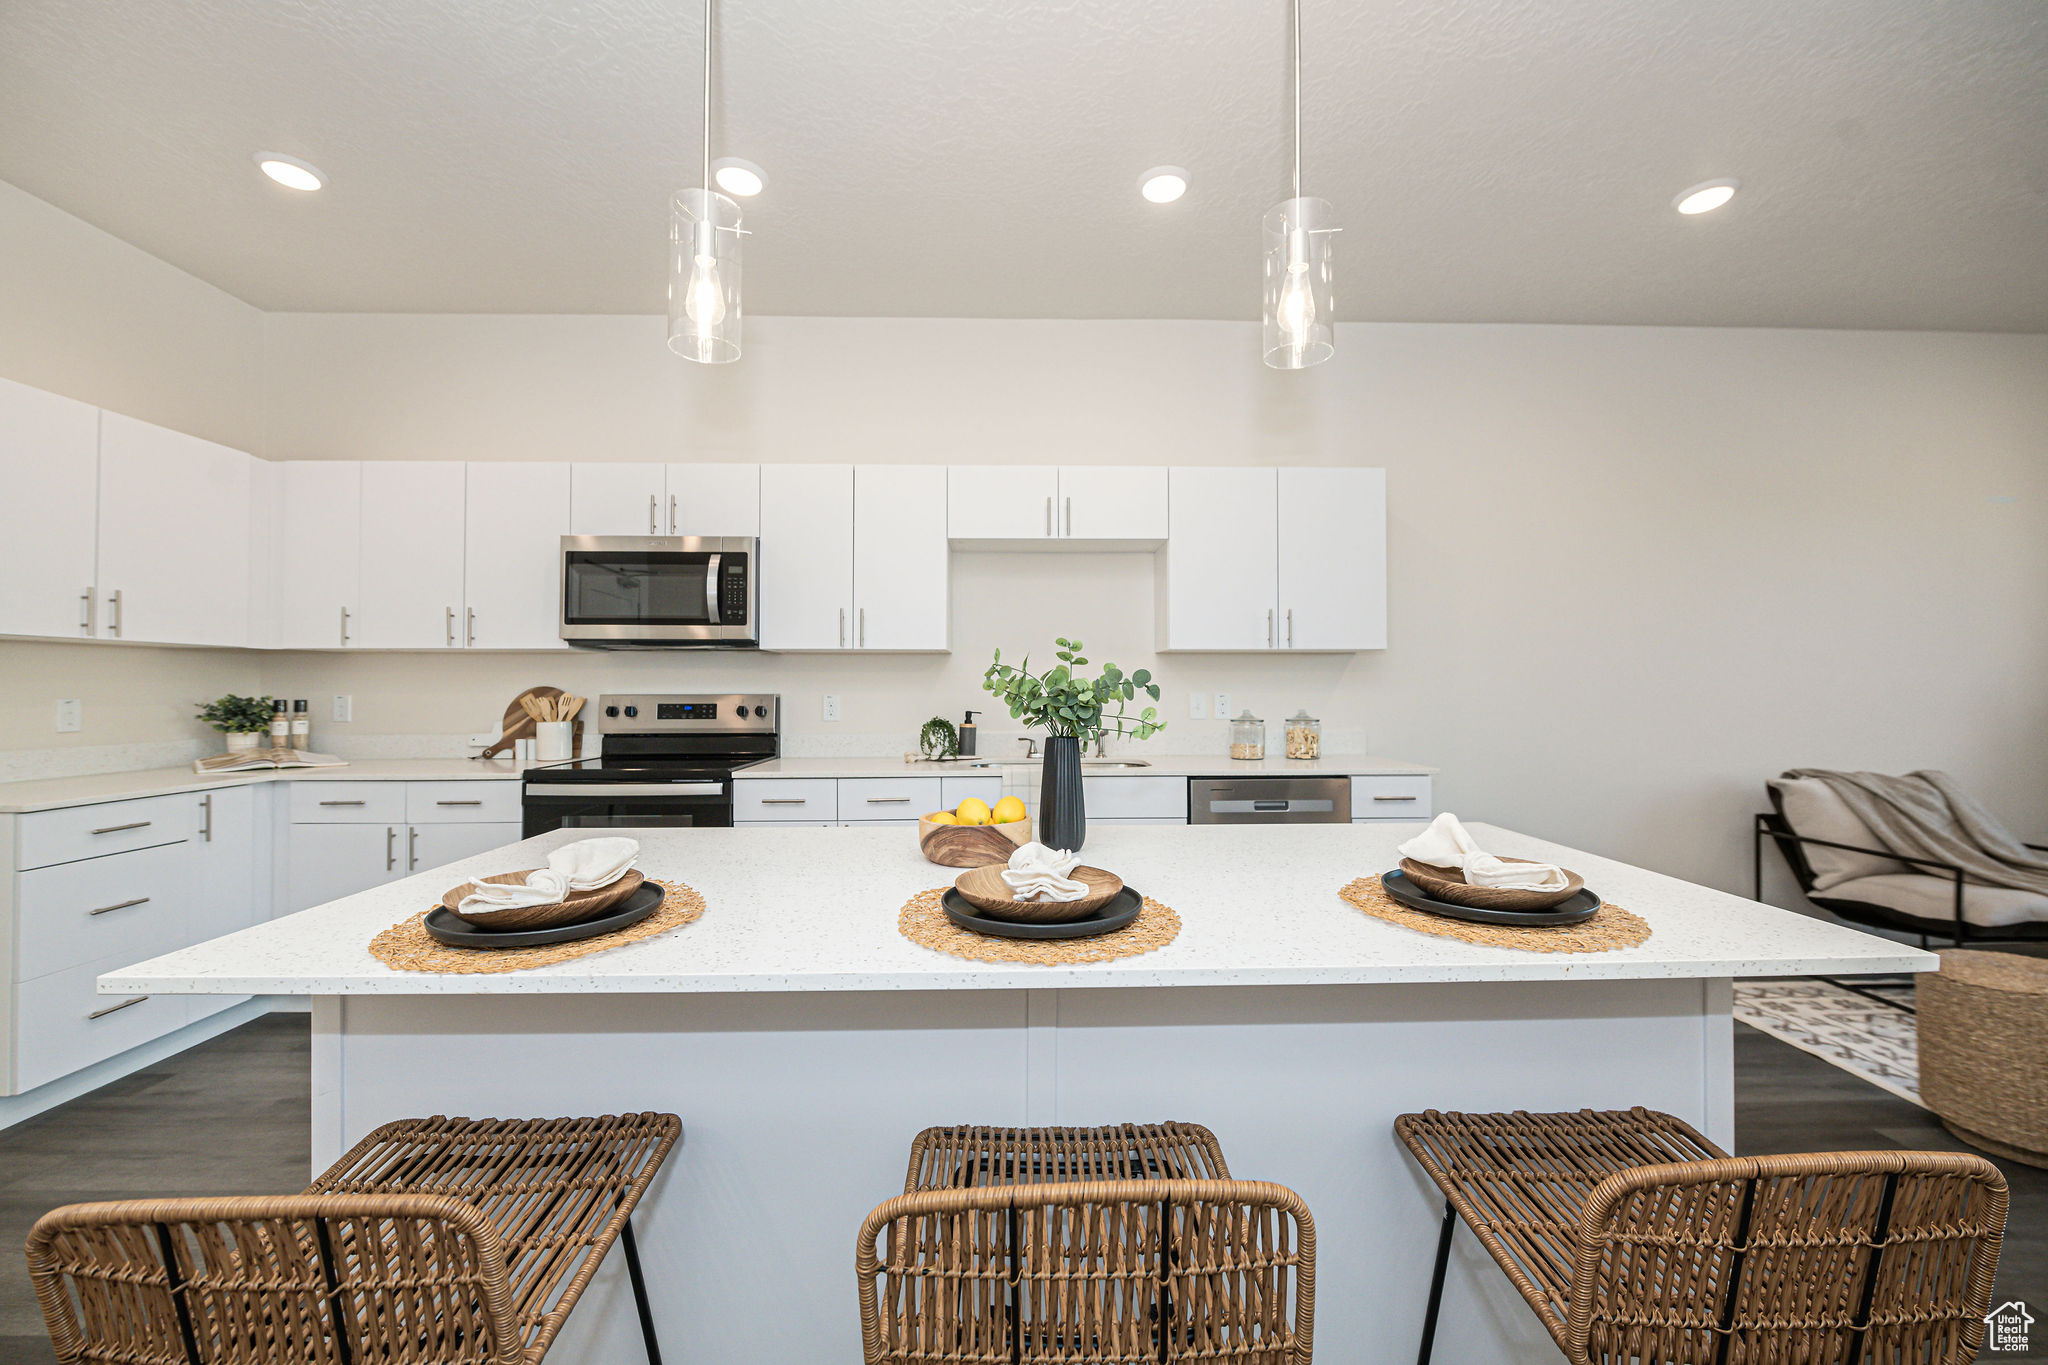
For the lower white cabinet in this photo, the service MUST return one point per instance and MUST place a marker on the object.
(64, 1024)
(1390, 797)
(434, 845)
(347, 837)
(330, 861)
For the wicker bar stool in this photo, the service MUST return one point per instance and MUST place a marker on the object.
(1094, 1271)
(434, 1241)
(964, 1155)
(1635, 1239)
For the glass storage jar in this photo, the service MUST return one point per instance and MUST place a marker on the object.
(1247, 737)
(1304, 736)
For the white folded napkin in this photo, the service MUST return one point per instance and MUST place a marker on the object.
(1038, 873)
(582, 866)
(1447, 844)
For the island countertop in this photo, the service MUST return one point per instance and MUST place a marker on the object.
(815, 909)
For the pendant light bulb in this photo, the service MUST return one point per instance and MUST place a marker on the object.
(704, 258)
(1299, 295)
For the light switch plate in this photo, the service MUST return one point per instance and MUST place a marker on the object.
(344, 707)
(831, 706)
(1198, 706)
(70, 716)
(1223, 706)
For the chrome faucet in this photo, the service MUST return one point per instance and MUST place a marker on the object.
(1100, 735)
(1030, 746)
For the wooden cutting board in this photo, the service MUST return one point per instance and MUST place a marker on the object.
(518, 725)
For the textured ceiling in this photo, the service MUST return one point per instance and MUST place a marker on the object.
(1492, 160)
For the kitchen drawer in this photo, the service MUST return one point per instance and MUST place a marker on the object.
(128, 906)
(348, 803)
(1135, 798)
(954, 790)
(57, 1032)
(44, 837)
(811, 798)
(887, 798)
(461, 803)
(1389, 798)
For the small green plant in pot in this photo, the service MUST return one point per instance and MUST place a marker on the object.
(241, 719)
(1072, 710)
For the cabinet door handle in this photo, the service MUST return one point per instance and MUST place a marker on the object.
(1269, 627)
(842, 627)
(451, 627)
(671, 514)
(344, 625)
(653, 504)
(1048, 514)
(206, 804)
(341, 803)
(863, 627)
(116, 829)
(1070, 518)
(119, 905)
(85, 598)
(111, 1009)
(458, 803)
(888, 800)
(114, 619)
(412, 848)
(1290, 627)
(472, 625)
(390, 849)
(1394, 798)
(783, 800)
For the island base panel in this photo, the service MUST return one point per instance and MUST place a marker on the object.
(799, 1108)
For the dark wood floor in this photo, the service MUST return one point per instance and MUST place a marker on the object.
(230, 1117)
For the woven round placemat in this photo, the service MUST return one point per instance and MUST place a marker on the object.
(923, 921)
(1613, 927)
(408, 947)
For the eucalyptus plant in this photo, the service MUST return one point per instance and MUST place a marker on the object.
(1064, 703)
(233, 715)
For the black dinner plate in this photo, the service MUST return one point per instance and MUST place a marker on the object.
(1582, 905)
(1122, 908)
(443, 925)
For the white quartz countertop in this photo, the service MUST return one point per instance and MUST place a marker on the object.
(1157, 765)
(815, 909)
(51, 793)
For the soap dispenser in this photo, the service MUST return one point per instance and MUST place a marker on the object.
(967, 733)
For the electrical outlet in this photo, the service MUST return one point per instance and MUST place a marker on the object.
(1198, 706)
(831, 706)
(70, 716)
(1223, 706)
(344, 707)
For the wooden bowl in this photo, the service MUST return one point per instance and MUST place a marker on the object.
(1449, 884)
(573, 910)
(972, 845)
(985, 889)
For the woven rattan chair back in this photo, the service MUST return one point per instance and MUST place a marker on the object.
(1830, 1259)
(1165, 1270)
(310, 1280)
(972, 1154)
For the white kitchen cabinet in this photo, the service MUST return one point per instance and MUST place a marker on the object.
(434, 845)
(1390, 796)
(1002, 502)
(412, 555)
(49, 468)
(1124, 503)
(1333, 559)
(346, 837)
(517, 514)
(231, 873)
(64, 1024)
(617, 500)
(806, 568)
(899, 557)
(714, 499)
(1219, 572)
(174, 536)
(333, 860)
(319, 508)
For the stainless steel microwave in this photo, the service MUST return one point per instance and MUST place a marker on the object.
(628, 592)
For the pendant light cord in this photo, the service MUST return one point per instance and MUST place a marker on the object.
(1297, 98)
(707, 103)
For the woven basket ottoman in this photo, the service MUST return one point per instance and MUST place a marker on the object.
(1984, 1050)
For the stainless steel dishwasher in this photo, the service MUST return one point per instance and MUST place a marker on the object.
(1269, 801)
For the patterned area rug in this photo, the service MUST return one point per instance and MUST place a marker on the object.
(1864, 1038)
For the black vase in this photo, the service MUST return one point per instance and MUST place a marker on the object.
(1062, 820)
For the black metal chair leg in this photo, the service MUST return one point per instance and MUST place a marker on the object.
(1436, 1283)
(640, 1293)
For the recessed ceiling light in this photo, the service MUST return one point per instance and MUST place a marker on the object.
(1163, 184)
(735, 176)
(1706, 196)
(290, 172)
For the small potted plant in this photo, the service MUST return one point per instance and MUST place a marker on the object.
(241, 719)
(1072, 710)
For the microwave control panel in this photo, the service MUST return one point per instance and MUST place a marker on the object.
(732, 591)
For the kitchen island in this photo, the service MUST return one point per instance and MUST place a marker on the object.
(805, 1042)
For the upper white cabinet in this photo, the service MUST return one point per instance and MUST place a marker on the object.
(714, 499)
(412, 555)
(49, 468)
(174, 536)
(1076, 506)
(319, 506)
(516, 517)
(806, 555)
(617, 500)
(899, 557)
(1275, 559)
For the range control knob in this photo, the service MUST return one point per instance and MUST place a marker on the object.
(632, 710)
(611, 710)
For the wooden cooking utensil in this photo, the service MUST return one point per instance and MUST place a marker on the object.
(985, 889)
(1449, 884)
(520, 716)
(570, 910)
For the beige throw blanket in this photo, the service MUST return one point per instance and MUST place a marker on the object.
(1925, 815)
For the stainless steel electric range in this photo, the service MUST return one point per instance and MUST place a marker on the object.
(667, 760)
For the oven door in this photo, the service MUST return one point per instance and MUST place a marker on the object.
(626, 805)
(625, 591)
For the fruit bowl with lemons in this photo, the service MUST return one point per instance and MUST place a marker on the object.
(974, 833)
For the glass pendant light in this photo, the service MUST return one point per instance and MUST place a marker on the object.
(1300, 301)
(704, 258)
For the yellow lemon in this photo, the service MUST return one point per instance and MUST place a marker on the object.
(942, 817)
(1008, 811)
(973, 811)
